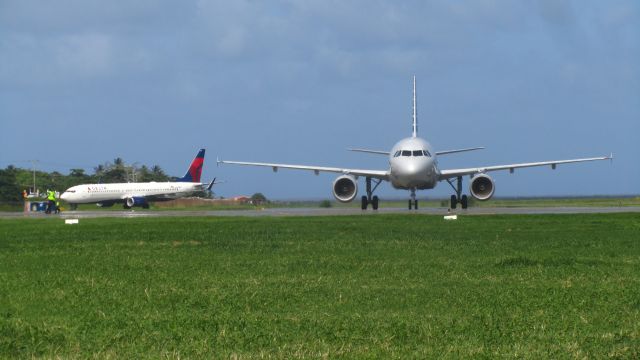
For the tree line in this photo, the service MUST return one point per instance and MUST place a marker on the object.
(15, 180)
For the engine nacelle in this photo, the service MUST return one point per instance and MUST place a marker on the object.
(482, 187)
(135, 201)
(345, 188)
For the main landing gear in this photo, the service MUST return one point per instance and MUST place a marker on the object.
(369, 199)
(458, 198)
(413, 201)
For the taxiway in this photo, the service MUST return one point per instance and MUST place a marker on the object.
(275, 212)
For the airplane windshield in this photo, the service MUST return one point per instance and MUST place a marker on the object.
(427, 153)
(406, 153)
(417, 152)
(397, 153)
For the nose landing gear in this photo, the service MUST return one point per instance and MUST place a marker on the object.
(458, 198)
(413, 201)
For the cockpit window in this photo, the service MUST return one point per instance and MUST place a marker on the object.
(406, 152)
(397, 153)
(417, 152)
(427, 153)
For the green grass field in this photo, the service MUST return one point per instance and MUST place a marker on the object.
(374, 286)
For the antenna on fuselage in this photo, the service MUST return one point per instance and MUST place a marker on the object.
(415, 110)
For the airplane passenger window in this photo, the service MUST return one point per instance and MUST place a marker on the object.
(406, 153)
(417, 152)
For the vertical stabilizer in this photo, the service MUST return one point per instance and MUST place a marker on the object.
(195, 170)
(415, 110)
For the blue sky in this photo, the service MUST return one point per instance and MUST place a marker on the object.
(85, 81)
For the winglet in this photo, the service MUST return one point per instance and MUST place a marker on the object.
(218, 161)
(211, 184)
(611, 157)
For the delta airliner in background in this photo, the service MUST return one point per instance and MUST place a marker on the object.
(413, 165)
(139, 194)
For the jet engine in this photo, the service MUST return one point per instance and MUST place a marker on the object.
(345, 188)
(482, 187)
(135, 201)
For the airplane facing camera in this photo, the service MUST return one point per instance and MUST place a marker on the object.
(413, 165)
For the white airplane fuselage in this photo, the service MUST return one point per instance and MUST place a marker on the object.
(139, 194)
(413, 164)
(156, 191)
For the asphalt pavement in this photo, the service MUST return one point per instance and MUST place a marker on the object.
(141, 213)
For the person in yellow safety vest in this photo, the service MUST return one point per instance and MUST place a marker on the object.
(51, 196)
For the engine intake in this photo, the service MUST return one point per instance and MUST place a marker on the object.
(482, 187)
(135, 201)
(345, 188)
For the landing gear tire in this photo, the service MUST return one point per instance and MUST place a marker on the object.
(454, 201)
(413, 204)
(374, 203)
(145, 206)
(413, 200)
(364, 203)
(73, 206)
(464, 201)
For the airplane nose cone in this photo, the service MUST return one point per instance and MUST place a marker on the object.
(407, 170)
(64, 196)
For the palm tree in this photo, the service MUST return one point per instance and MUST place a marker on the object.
(77, 173)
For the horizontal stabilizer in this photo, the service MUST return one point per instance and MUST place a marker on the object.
(379, 152)
(444, 152)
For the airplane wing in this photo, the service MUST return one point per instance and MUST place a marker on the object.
(447, 174)
(444, 152)
(376, 174)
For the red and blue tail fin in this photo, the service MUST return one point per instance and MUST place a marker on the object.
(195, 170)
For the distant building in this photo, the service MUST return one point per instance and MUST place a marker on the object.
(241, 199)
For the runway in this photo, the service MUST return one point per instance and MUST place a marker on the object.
(283, 212)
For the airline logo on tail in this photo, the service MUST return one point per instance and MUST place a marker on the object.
(195, 170)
